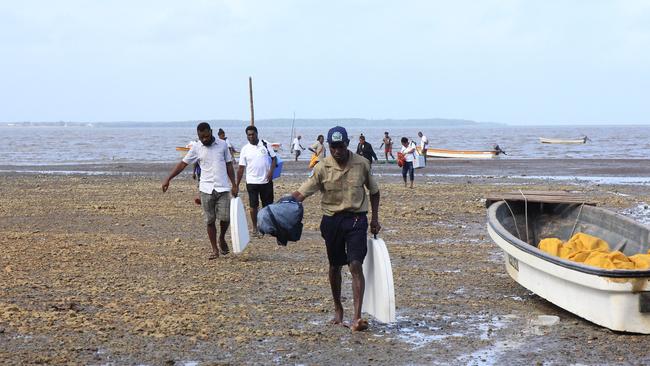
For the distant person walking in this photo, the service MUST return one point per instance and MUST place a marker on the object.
(365, 149)
(217, 180)
(318, 150)
(408, 150)
(387, 143)
(342, 179)
(424, 144)
(259, 160)
(297, 147)
(222, 135)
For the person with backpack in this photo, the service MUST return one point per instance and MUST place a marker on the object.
(408, 151)
(259, 161)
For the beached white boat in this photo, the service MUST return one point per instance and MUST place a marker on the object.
(462, 154)
(581, 140)
(616, 299)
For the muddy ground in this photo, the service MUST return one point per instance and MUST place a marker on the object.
(106, 269)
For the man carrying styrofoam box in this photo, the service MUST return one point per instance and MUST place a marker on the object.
(342, 179)
(258, 159)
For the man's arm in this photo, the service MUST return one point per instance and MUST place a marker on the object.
(240, 174)
(274, 163)
(231, 175)
(298, 196)
(176, 171)
(374, 221)
(372, 152)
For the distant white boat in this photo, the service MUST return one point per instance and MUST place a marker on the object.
(581, 140)
(462, 154)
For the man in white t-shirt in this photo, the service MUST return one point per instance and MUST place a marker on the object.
(297, 147)
(424, 144)
(259, 161)
(216, 183)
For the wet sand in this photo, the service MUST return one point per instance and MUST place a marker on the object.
(105, 268)
(491, 167)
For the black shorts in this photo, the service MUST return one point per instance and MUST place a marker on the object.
(346, 237)
(257, 192)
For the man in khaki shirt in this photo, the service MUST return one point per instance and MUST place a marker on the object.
(342, 179)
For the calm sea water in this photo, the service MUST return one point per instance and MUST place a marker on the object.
(73, 145)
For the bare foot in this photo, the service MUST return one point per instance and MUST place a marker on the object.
(213, 256)
(223, 246)
(338, 316)
(197, 200)
(359, 325)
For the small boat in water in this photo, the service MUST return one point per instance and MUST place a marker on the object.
(616, 299)
(581, 140)
(463, 154)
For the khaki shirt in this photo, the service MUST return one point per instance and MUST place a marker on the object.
(341, 189)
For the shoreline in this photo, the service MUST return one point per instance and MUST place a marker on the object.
(594, 171)
(501, 167)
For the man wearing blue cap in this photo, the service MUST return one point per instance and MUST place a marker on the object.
(342, 179)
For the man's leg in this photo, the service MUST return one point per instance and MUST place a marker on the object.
(223, 215)
(358, 288)
(212, 235)
(335, 286)
(209, 212)
(254, 203)
(357, 249)
(222, 237)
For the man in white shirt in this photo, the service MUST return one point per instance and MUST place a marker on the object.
(259, 161)
(217, 180)
(297, 147)
(424, 144)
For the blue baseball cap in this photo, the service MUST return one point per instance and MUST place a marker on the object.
(337, 134)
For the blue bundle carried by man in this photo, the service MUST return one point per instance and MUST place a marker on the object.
(282, 219)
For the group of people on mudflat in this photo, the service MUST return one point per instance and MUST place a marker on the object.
(342, 178)
(407, 152)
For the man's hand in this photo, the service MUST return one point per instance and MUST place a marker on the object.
(165, 185)
(374, 227)
(269, 175)
(234, 191)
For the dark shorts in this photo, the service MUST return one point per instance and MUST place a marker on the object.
(346, 237)
(257, 192)
(297, 152)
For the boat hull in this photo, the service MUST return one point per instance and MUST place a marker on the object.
(461, 154)
(544, 140)
(618, 300)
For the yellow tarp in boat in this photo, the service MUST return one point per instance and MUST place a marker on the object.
(593, 251)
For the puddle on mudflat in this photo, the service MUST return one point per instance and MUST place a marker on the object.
(639, 213)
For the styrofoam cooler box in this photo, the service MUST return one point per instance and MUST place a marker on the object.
(418, 162)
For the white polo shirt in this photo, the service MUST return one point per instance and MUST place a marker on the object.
(212, 159)
(257, 161)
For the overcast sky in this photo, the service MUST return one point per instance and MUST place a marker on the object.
(510, 61)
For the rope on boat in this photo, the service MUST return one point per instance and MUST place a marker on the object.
(577, 218)
(526, 214)
(513, 218)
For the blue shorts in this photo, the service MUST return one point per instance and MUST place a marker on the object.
(346, 237)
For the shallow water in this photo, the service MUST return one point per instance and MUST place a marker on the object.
(44, 145)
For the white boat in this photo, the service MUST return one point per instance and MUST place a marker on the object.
(462, 154)
(616, 299)
(581, 140)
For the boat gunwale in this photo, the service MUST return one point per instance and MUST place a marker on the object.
(531, 249)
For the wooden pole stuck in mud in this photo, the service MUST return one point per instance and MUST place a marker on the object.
(250, 91)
